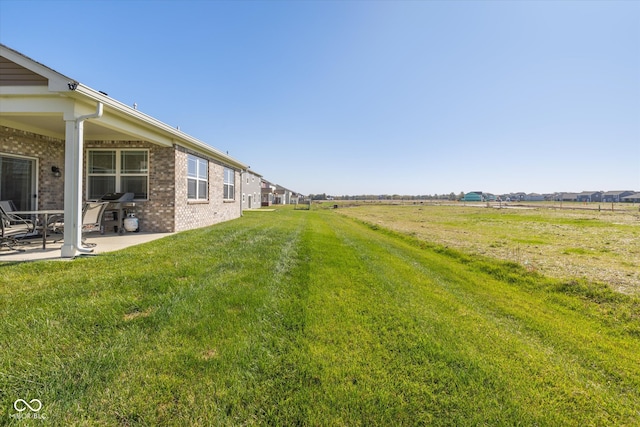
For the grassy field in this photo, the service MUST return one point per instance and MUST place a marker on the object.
(600, 245)
(312, 318)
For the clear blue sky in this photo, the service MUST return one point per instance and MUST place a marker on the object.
(369, 97)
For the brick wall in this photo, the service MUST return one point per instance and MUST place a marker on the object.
(195, 214)
(167, 208)
(49, 152)
(156, 214)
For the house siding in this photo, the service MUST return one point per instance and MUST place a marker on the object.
(251, 189)
(49, 152)
(12, 74)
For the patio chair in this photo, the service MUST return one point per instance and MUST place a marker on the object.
(8, 206)
(92, 214)
(14, 229)
(92, 218)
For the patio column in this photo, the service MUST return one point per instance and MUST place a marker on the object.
(73, 153)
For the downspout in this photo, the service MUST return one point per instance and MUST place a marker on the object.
(242, 172)
(73, 184)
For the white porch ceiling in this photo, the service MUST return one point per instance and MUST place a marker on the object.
(54, 126)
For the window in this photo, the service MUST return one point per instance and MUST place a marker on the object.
(118, 171)
(229, 184)
(197, 178)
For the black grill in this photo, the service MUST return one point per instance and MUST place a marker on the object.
(117, 197)
(115, 212)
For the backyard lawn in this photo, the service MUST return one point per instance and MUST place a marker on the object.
(298, 317)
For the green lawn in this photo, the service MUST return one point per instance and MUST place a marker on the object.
(312, 318)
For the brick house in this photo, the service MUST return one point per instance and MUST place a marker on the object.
(62, 143)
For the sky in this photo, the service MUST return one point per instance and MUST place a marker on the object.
(369, 97)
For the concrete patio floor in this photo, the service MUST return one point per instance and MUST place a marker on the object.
(104, 243)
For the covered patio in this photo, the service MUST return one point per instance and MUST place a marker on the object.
(104, 243)
(63, 144)
(62, 114)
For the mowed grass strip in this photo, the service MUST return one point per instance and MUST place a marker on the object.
(450, 340)
(311, 318)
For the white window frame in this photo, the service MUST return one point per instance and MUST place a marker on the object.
(229, 185)
(118, 174)
(199, 177)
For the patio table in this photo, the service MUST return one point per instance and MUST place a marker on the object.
(45, 214)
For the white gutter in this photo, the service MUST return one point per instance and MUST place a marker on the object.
(74, 141)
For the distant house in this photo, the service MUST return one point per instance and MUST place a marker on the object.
(474, 196)
(251, 190)
(295, 198)
(589, 196)
(284, 196)
(63, 143)
(567, 197)
(267, 192)
(517, 197)
(281, 195)
(615, 196)
(632, 198)
(534, 197)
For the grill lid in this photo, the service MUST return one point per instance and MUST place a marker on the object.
(117, 197)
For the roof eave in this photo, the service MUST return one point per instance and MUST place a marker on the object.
(178, 137)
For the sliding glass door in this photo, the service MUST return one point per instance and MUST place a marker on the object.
(18, 181)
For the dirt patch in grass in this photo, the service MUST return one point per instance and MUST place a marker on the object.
(137, 314)
(211, 353)
(601, 246)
